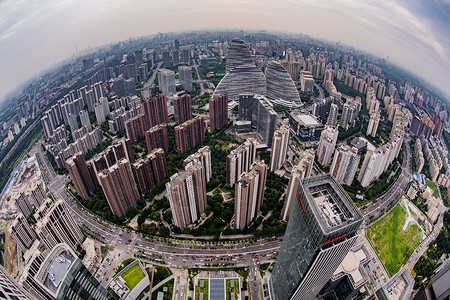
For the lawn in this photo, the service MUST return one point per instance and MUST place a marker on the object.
(434, 187)
(168, 294)
(160, 274)
(203, 290)
(394, 246)
(229, 289)
(133, 276)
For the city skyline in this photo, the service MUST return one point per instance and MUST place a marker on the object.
(412, 34)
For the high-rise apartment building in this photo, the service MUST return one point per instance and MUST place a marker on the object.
(190, 134)
(280, 145)
(119, 187)
(186, 192)
(218, 112)
(73, 123)
(10, 289)
(321, 230)
(345, 116)
(182, 108)
(101, 109)
(203, 155)
(175, 57)
(84, 118)
(327, 144)
(240, 160)
(80, 175)
(58, 226)
(150, 170)
(301, 170)
(28, 200)
(249, 195)
(373, 124)
(157, 137)
(345, 164)
(166, 59)
(185, 74)
(22, 233)
(166, 81)
(332, 116)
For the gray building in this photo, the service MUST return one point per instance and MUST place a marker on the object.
(10, 289)
(166, 82)
(321, 230)
(238, 54)
(280, 84)
(185, 74)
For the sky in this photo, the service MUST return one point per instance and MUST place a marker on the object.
(34, 35)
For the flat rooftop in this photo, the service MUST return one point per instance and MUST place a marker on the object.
(305, 119)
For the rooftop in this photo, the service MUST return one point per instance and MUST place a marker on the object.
(305, 119)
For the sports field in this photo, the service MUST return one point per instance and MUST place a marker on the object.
(393, 244)
(133, 276)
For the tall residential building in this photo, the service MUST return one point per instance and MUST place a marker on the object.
(301, 170)
(166, 81)
(259, 110)
(27, 201)
(280, 84)
(332, 116)
(321, 230)
(218, 112)
(85, 121)
(150, 170)
(157, 137)
(280, 145)
(327, 144)
(345, 164)
(22, 233)
(73, 123)
(345, 116)
(10, 289)
(63, 276)
(186, 192)
(237, 54)
(119, 187)
(306, 81)
(203, 155)
(249, 195)
(166, 59)
(58, 226)
(190, 134)
(80, 175)
(240, 160)
(175, 57)
(101, 109)
(185, 57)
(373, 124)
(182, 108)
(185, 74)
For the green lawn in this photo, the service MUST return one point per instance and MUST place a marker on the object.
(133, 276)
(229, 289)
(394, 246)
(434, 187)
(168, 294)
(160, 274)
(203, 290)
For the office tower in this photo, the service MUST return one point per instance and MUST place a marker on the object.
(138, 54)
(79, 173)
(166, 82)
(175, 57)
(119, 187)
(346, 112)
(240, 160)
(176, 44)
(10, 289)
(332, 116)
(182, 108)
(63, 276)
(373, 124)
(185, 74)
(259, 110)
(58, 226)
(218, 112)
(118, 86)
(73, 124)
(28, 200)
(243, 79)
(130, 87)
(166, 59)
(85, 122)
(22, 233)
(150, 170)
(157, 137)
(280, 145)
(185, 57)
(186, 192)
(280, 84)
(321, 230)
(101, 109)
(301, 170)
(249, 195)
(237, 54)
(327, 143)
(203, 155)
(190, 134)
(345, 164)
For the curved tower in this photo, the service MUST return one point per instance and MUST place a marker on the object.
(280, 84)
(244, 79)
(238, 54)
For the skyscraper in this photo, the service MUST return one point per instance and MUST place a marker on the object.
(249, 195)
(10, 289)
(327, 144)
(182, 108)
(186, 192)
(203, 155)
(238, 54)
(218, 112)
(280, 84)
(157, 137)
(166, 81)
(301, 170)
(22, 233)
(240, 160)
(190, 134)
(321, 230)
(345, 116)
(280, 145)
(84, 117)
(166, 59)
(373, 124)
(79, 173)
(119, 187)
(150, 170)
(101, 109)
(345, 164)
(332, 117)
(175, 57)
(185, 74)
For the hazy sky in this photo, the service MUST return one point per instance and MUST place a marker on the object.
(36, 34)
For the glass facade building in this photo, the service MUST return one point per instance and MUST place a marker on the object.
(280, 84)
